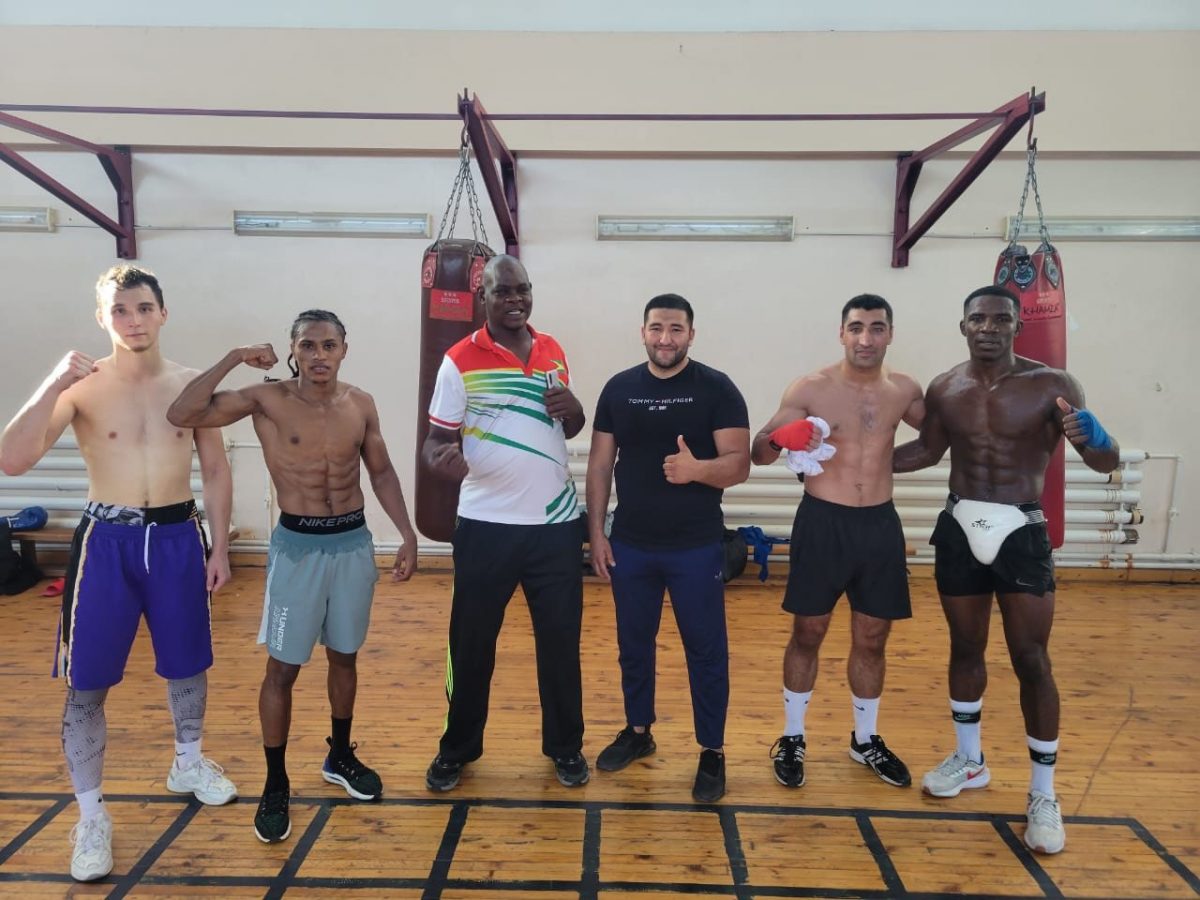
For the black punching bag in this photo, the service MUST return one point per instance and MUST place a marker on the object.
(451, 275)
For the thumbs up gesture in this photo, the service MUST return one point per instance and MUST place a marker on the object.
(681, 467)
(1073, 425)
(1083, 429)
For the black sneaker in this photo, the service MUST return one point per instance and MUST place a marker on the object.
(710, 777)
(884, 762)
(361, 782)
(272, 823)
(788, 753)
(443, 775)
(572, 771)
(625, 748)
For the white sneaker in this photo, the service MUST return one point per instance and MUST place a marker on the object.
(1044, 830)
(92, 857)
(956, 773)
(205, 779)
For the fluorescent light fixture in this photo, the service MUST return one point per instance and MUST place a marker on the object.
(333, 224)
(694, 228)
(1105, 228)
(32, 218)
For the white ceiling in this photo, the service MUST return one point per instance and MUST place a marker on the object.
(619, 15)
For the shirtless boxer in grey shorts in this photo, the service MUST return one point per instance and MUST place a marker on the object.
(316, 432)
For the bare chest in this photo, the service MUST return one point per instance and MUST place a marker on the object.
(116, 418)
(1006, 409)
(865, 416)
(302, 434)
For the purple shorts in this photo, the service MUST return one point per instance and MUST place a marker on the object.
(119, 572)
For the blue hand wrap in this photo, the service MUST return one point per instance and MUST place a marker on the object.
(761, 543)
(1096, 438)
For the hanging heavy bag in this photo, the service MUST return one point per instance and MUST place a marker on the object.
(451, 278)
(1037, 279)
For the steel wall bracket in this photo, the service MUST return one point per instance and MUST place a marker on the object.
(117, 163)
(490, 149)
(1012, 117)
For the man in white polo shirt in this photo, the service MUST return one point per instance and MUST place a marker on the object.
(500, 416)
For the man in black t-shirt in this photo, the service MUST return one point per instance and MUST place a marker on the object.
(678, 434)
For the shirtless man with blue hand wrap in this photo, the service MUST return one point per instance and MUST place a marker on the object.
(1002, 416)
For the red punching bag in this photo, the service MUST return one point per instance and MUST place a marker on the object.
(1037, 278)
(451, 276)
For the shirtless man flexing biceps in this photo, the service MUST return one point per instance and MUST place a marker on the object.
(315, 431)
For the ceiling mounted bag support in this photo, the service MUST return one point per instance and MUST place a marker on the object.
(490, 152)
(117, 163)
(1012, 115)
(498, 164)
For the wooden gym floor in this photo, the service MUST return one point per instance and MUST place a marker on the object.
(1125, 657)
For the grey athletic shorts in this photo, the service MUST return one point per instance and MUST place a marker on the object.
(320, 582)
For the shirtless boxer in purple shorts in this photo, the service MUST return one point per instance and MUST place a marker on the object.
(139, 549)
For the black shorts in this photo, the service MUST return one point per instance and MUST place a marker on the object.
(854, 550)
(1023, 565)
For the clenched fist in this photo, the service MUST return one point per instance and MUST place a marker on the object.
(447, 461)
(796, 435)
(260, 356)
(73, 367)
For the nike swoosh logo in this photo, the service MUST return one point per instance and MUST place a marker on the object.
(860, 708)
(975, 774)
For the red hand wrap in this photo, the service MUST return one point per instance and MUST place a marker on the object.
(794, 435)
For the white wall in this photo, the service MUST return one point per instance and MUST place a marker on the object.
(765, 312)
(617, 15)
(1107, 92)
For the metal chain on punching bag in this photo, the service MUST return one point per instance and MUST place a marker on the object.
(1052, 271)
(464, 179)
(451, 276)
(1037, 280)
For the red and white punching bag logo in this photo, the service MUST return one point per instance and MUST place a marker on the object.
(1042, 305)
(456, 306)
(427, 269)
(453, 306)
(476, 281)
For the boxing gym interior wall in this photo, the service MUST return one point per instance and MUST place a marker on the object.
(1113, 143)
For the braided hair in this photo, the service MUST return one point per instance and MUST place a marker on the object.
(312, 315)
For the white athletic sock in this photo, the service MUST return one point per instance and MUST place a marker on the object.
(794, 707)
(866, 717)
(187, 754)
(1043, 755)
(90, 803)
(967, 714)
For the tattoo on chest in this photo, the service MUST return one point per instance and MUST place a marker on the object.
(868, 417)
